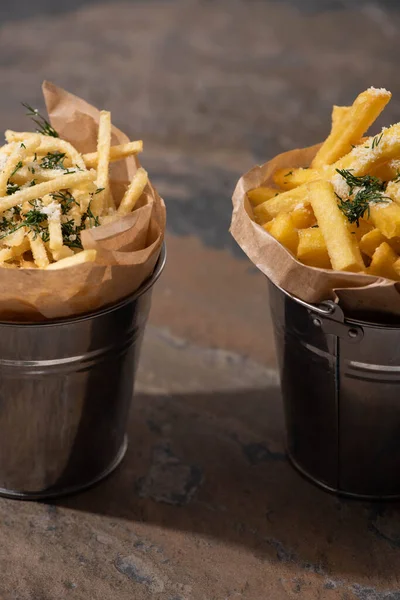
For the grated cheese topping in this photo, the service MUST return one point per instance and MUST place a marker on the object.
(379, 91)
(52, 210)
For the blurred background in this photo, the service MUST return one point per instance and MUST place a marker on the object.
(212, 87)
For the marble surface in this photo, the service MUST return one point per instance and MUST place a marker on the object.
(205, 505)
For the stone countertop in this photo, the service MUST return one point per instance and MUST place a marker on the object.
(205, 505)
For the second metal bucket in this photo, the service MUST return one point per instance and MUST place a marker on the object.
(65, 392)
(341, 389)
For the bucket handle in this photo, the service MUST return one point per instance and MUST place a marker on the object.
(330, 318)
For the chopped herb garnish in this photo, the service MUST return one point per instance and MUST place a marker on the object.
(12, 188)
(93, 221)
(65, 199)
(369, 190)
(17, 167)
(376, 140)
(22, 145)
(43, 126)
(102, 189)
(289, 173)
(53, 160)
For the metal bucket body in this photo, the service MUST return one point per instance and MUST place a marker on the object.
(341, 390)
(65, 392)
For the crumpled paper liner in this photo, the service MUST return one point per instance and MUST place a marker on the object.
(127, 250)
(358, 294)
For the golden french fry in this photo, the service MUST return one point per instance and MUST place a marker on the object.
(14, 161)
(47, 187)
(134, 191)
(361, 160)
(393, 191)
(360, 230)
(386, 217)
(370, 242)
(49, 144)
(6, 254)
(15, 239)
(364, 111)
(285, 202)
(283, 230)
(342, 247)
(63, 252)
(38, 250)
(101, 200)
(303, 217)
(77, 259)
(383, 262)
(23, 247)
(289, 179)
(261, 194)
(339, 113)
(312, 250)
(116, 153)
(55, 233)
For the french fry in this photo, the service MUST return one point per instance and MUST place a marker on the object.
(47, 187)
(364, 111)
(49, 144)
(339, 113)
(283, 230)
(261, 194)
(361, 229)
(23, 247)
(38, 250)
(15, 238)
(72, 261)
(63, 252)
(370, 242)
(383, 262)
(55, 233)
(134, 191)
(374, 151)
(14, 161)
(6, 254)
(386, 217)
(116, 153)
(342, 248)
(102, 199)
(312, 250)
(303, 217)
(285, 202)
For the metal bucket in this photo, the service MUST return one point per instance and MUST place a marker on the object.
(65, 392)
(340, 382)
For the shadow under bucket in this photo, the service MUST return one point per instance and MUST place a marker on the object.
(340, 382)
(65, 392)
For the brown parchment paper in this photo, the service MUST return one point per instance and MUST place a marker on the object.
(127, 250)
(357, 293)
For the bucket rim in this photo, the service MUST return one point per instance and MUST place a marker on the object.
(146, 285)
(348, 320)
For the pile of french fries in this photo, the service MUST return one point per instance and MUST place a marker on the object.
(50, 193)
(343, 212)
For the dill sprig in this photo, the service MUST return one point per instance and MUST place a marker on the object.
(42, 124)
(12, 188)
(53, 160)
(376, 140)
(17, 167)
(369, 190)
(65, 199)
